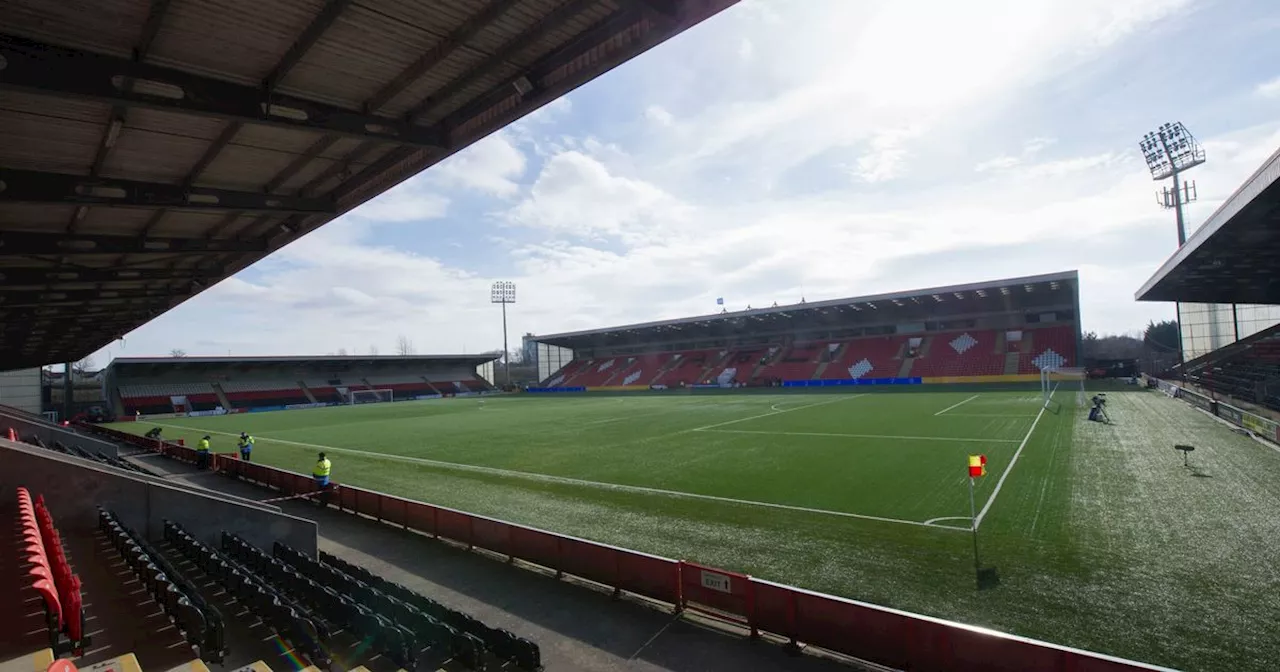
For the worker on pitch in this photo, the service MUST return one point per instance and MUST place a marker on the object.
(246, 447)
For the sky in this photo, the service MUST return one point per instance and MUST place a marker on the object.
(818, 149)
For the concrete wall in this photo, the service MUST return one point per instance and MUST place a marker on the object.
(21, 389)
(49, 433)
(73, 489)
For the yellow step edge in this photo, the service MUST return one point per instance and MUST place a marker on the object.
(196, 665)
(37, 661)
(255, 666)
(126, 663)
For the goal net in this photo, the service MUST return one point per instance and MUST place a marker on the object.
(1061, 381)
(370, 396)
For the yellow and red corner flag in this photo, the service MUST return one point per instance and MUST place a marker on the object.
(977, 466)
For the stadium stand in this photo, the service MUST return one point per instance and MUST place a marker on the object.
(154, 386)
(686, 369)
(980, 331)
(1248, 371)
(865, 358)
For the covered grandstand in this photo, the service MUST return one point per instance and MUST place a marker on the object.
(142, 385)
(149, 149)
(1003, 330)
(1225, 282)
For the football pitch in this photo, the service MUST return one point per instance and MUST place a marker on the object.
(1102, 539)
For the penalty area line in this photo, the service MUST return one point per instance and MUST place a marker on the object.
(772, 413)
(526, 475)
(957, 405)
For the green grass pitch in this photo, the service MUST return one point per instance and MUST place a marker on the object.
(1102, 539)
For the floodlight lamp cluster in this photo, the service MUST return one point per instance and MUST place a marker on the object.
(503, 291)
(1170, 149)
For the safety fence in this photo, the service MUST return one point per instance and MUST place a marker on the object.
(873, 633)
(1258, 425)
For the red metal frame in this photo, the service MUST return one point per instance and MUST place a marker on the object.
(879, 634)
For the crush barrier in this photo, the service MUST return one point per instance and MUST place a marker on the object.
(866, 631)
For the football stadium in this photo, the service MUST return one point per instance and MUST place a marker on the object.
(934, 478)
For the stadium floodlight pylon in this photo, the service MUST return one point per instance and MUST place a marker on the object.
(1169, 150)
(1055, 379)
(370, 396)
(504, 292)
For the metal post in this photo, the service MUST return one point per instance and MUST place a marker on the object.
(506, 351)
(504, 292)
(973, 525)
(68, 391)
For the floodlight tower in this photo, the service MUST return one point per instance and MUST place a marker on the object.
(504, 292)
(1170, 150)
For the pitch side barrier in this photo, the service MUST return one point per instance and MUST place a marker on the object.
(1258, 425)
(866, 631)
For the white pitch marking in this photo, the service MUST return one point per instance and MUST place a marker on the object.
(855, 436)
(1000, 484)
(988, 415)
(571, 481)
(765, 415)
(957, 405)
(932, 521)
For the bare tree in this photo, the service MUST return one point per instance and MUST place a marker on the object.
(404, 346)
(373, 351)
(342, 352)
(83, 367)
(177, 352)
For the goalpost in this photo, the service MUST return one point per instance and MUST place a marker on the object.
(1063, 380)
(370, 396)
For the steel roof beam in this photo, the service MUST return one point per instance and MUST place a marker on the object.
(29, 186)
(315, 30)
(40, 276)
(442, 50)
(45, 69)
(14, 242)
(10, 298)
(508, 51)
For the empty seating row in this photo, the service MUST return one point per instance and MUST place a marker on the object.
(379, 632)
(259, 386)
(50, 575)
(429, 619)
(292, 622)
(690, 366)
(501, 644)
(77, 451)
(201, 624)
(437, 641)
(165, 390)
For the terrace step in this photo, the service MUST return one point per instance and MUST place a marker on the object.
(222, 396)
(307, 391)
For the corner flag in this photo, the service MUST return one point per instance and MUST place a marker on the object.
(977, 466)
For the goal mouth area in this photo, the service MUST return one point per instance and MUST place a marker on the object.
(378, 396)
(1062, 379)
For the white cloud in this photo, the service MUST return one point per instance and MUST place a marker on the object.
(492, 166)
(575, 194)
(834, 161)
(1269, 89)
(659, 115)
(411, 200)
